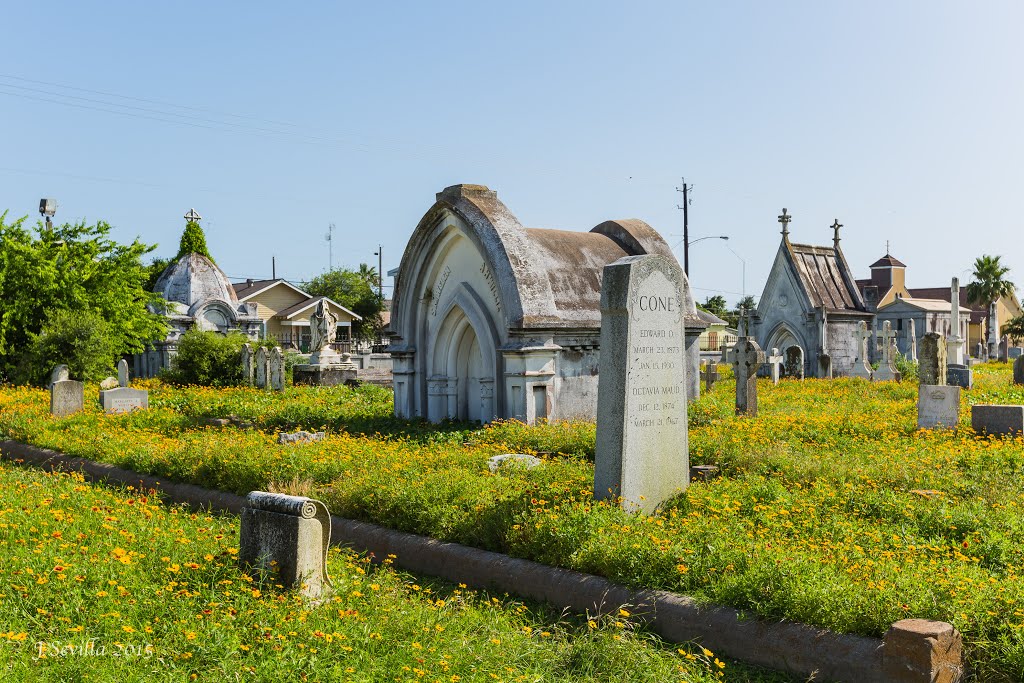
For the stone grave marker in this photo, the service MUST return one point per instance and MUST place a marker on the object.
(774, 362)
(1014, 352)
(276, 369)
(937, 406)
(642, 455)
(979, 351)
(289, 536)
(748, 358)
(247, 365)
(955, 344)
(997, 420)
(886, 370)
(122, 373)
(67, 396)
(709, 374)
(262, 368)
(123, 399)
(1018, 370)
(861, 367)
(1004, 350)
(959, 375)
(795, 362)
(931, 367)
(912, 340)
(300, 437)
(727, 351)
(824, 366)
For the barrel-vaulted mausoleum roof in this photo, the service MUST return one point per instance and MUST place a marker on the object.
(493, 319)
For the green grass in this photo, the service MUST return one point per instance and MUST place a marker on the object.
(832, 509)
(103, 584)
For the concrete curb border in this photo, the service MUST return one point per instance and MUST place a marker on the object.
(913, 650)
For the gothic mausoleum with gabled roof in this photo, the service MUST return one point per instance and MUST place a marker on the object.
(491, 319)
(811, 301)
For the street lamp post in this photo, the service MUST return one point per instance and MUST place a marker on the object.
(686, 248)
(380, 270)
(743, 289)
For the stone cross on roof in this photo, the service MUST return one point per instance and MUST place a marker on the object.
(836, 226)
(193, 216)
(785, 219)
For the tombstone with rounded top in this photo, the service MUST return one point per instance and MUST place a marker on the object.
(262, 368)
(795, 362)
(67, 396)
(122, 373)
(247, 364)
(276, 369)
(642, 449)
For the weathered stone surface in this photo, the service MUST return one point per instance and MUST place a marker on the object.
(642, 445)
(922, 651)
(276, 369)
(300, 437)
(248, 366)
(60, 374)
(66, 397)
(997, 420)
(747, 358)
(861, 366)
(886, 371)
(108, 383)
(795, 362)
(1018, 371)
(122, 373)
(322, 375)
(1014, 352)
(262, 371)
(931, 368)
(496, 462)
(774, 360)
(124, 400)
(289, 536)
(937, 406)
(710, 375)
(1004, 350)
(959, 375)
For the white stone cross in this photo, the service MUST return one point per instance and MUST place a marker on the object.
(861, 368)
(836, 225)
(888, 338)
(774, 361)
(785, 218)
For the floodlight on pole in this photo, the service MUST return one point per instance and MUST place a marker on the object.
(47, 209)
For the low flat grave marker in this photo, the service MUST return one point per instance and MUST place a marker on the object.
(123, 399)
(997, 420)
(642, 449)
(937, 406)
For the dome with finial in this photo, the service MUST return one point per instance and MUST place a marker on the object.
(192, 279)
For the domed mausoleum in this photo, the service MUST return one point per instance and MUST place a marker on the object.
(199, 296)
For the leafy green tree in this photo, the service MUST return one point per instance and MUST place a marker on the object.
(747, 303)
(75, 268)
(715, 305)
(81, 340)
(356, 291)
(989, 284)
(156, 268)
(193, 241)
(1014, 329)
(207, 359)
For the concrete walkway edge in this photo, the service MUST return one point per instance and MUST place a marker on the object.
(931, 652)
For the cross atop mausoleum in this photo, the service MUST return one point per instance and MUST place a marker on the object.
(192, 216)
(836, 225)
(785, 218)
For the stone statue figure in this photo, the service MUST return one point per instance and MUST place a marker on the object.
(322, 326)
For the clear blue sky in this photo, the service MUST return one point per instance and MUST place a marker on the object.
(903, 120)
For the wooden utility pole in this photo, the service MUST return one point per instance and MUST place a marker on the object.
(685, 189)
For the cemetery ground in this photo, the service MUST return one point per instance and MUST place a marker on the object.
(104, 584)
(832, 509)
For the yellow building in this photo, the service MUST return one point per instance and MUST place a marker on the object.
(285, 310)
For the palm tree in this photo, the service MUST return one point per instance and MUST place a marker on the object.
(989, 285)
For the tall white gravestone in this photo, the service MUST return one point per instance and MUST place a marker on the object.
(955, 343)
(642, 452)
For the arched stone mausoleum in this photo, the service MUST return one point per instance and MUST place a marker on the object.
(494, 320)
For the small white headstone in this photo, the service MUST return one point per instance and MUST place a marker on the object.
(938, 406)
(276, 369)
(774, 362)
(262, 367)
(122, 373)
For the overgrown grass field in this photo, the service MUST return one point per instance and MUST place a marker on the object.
(110, 585)
(832, 509)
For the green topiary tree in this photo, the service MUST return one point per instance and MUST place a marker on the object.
(193, 241)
